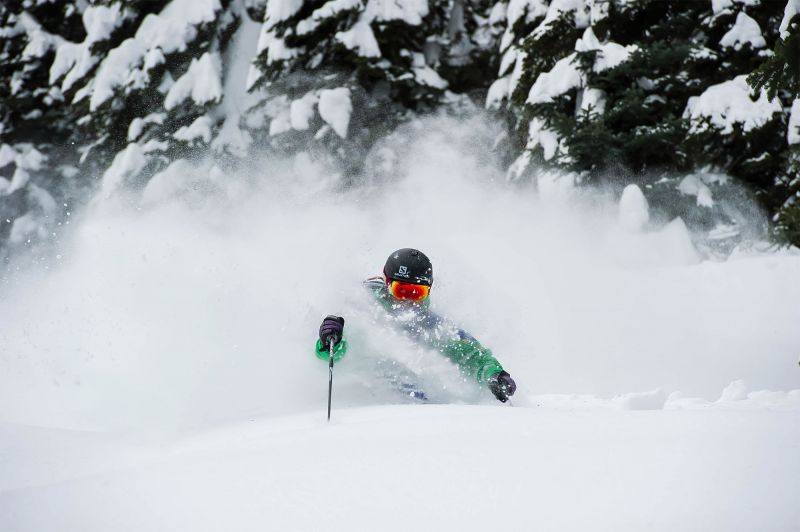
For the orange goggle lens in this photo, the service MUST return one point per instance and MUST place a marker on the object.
(408, 291)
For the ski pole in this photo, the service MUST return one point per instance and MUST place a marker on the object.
(330, 377)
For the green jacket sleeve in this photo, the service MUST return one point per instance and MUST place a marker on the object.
(339, 350)
(473, 359)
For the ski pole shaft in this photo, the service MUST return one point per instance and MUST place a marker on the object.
(330, 377)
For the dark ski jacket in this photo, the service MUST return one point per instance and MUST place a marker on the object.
(430, 330)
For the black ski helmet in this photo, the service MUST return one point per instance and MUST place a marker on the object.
(409, 266)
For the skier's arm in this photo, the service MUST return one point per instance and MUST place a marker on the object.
(478, 362)
(473, 359)
(331, 330)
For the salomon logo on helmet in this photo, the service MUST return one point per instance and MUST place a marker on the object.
(410, 266)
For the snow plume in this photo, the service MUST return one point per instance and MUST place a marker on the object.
(199, 300)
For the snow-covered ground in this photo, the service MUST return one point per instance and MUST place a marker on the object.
(156, 371)
(420, 468)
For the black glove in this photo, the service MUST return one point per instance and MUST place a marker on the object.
(331, 330)
(502, 386)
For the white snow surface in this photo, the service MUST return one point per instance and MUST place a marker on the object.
(497, 93)
(326, 11)
(409, 11)
(276, 49)
(360, 38)
(158, 35)
(39, 41)
(634, 211)
(593, 100)
(610, 54)
(127, 164)
(719, 7)
(563, 77)
(158, 374)
(578, 8)
(729, 103)
(138, 124)
(75, 60)
(693, 185)
(530, 9)
(202, 83)
(116, 70)
(792, 8)
(232, 138)
(199, 129)
(540, 135)
(508, 60)
(425, 75)
(335, 108)
(301, 111)
(411, 468)
(744, 31)
(793, 130)
(280, 10)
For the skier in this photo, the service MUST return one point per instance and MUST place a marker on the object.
(402, 292)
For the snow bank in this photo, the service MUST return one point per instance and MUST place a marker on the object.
(652, 400)
(408, 468)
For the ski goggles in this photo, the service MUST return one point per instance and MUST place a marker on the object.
(408, 291)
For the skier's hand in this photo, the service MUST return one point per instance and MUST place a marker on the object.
(331, 330)
(502, 386)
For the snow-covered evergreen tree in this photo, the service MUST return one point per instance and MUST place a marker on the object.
(34, 163)
(645, 91)
(676, 97)
(779, 76)
(341, 73)
(141, 82)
